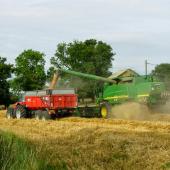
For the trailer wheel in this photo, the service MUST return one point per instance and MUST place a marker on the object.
(38, 114)
(105, 110)
(20, 112)
(10, 113)
(45, 115)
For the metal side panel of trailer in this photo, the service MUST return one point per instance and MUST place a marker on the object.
(48, 92)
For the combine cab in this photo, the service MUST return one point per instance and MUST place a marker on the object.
(44, 104)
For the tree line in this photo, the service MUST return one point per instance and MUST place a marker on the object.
(89, 56)
(28, 72)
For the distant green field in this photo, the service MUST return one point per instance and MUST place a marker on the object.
(17, 154)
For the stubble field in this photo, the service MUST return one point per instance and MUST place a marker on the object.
(80, 143)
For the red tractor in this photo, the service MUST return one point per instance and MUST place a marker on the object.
(44, 104)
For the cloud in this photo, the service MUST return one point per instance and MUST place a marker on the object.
(134, 28)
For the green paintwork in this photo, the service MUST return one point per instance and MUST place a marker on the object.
(141, 89)
(89, 76)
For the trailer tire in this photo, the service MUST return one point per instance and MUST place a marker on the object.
(10, 113)
(38, 114)
(105, 110)
(45, 115)
(20, 112)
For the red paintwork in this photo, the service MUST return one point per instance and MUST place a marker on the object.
(53, 102)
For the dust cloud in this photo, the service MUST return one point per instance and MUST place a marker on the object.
(131, 111)
(164, 108)
(137, 111)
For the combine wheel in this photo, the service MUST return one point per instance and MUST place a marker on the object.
(105, 110)
(10, 113)
(38, 114)
(45, 115)
(21, 112)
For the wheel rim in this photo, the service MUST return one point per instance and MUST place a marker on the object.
(104, 112)
(18, 114)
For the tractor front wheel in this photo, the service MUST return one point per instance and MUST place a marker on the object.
(105, 110)
(20, 112)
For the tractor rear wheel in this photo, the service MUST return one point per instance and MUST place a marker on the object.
(20, 112)
(45, 115)
(10, 113)
(105, 110)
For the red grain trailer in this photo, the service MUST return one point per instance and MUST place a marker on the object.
(44, 104)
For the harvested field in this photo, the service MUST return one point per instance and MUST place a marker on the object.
(79, 143)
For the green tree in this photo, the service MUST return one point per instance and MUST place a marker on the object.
(5, 72)
(90, 56)
(29, 71)
(50, 73)
(162, 72)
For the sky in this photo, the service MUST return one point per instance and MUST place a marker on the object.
(136, 29)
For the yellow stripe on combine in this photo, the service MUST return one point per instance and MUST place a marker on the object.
(125, 96)
(143, 95)
(116, 97)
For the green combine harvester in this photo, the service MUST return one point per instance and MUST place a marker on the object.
(128, 88)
